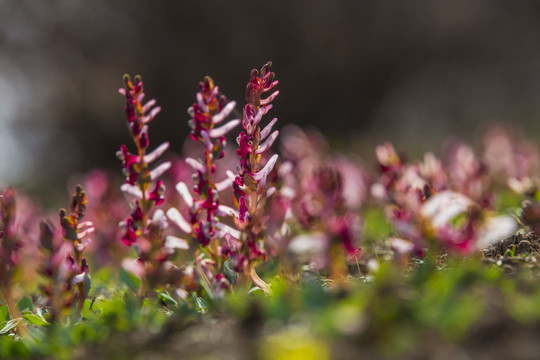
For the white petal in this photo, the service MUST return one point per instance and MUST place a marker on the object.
(226, 111)
(133, 266)
(173, 242)
(82, 234)
(258, 117)
(495, 229)
(207, 141)
(287, 192)
(266, 145)
(230, 175)
(261, 175)
(148, 105)
(132, 190)
(183, 190)
(401, 246)
(160, 170)
(224, 129)
(85, 224)
(269, 99)
(77, 279)
(310, 243)
(225, 229)
(225, 210)
(267, 129)
(152, 115)
(444, 206)
(159, 218)
(174, 215)
(224, 184)
(196, 165)
(201, 103)
(148, 158)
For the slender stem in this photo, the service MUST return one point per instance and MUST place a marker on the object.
(258, 281)
(14, 311)
(80, 303)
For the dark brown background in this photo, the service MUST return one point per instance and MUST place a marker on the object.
(361, 71)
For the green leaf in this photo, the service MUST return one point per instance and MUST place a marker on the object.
(25, 304)
(87, 282)
(4, 313)
(202, 305)
(35, 319)
(8, 325)
(254, 289)
(41, 312)
(130, 279)
(376, 226)
(231, 274)
(166, 298)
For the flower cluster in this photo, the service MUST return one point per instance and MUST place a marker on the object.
(512, 161)
(436, 206)
(325, 195)
(204, 210)
(250, 185)
(9, 254)
(63, 264)
(136, 167)
(141, 227)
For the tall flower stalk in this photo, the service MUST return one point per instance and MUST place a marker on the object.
(9, 259)
(138, 228)
(75, 230)
(204, 209)
(250, 185)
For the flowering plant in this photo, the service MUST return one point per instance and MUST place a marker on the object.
(301, 220)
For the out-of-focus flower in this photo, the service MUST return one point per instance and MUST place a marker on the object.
(426, 199)
(511, 160)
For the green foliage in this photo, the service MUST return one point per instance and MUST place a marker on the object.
(390, 312)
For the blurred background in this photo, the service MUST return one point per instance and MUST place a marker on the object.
(362, 72)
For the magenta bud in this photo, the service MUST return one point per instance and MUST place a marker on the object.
(143, 140)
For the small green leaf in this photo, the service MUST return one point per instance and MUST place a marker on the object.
(130, 279)
(35, 319)
(4, 313)
(166, 298)
(8, 325)
(254, 289)
(231, 274)
(87, 282)
(41, 312)
(25, 304)
(202, 305)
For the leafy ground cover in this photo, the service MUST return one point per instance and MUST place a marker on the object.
(246, 252)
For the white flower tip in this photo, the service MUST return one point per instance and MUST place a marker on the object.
(183, 190)
(261, 175)
(174, 215)
(160, 150)
(224, 129)
(266, 145)
(444, 206)
(196, 165)
(226, 111)
(173, 242)
(132, 190)
(495, 229)
(160, 170)
(224, 184)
